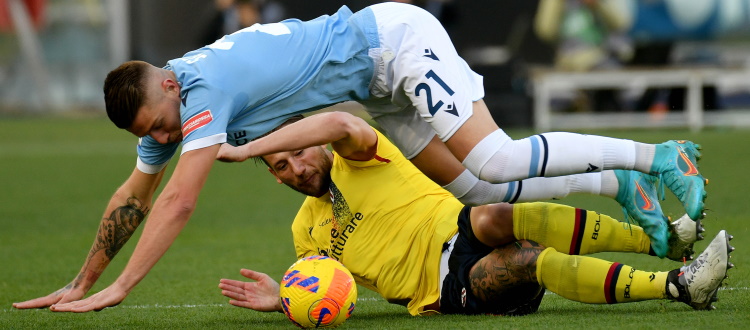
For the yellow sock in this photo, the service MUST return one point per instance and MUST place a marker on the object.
(576, 231)
(596, 281)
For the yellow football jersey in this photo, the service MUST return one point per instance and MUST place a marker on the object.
(385, 221)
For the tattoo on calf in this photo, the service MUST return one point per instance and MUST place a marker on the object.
(504, 270)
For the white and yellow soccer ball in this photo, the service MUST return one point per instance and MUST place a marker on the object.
(318, 292)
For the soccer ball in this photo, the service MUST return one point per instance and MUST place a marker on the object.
(318, 292)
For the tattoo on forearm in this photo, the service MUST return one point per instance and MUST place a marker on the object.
(113, 233)
(504, 269)
(117, 229)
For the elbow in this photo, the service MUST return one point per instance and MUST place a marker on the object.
(185, 208)
(350, 125)
(179, 205)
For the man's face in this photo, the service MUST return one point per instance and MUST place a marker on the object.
(159, 117)
(307, 171)
(160, 121)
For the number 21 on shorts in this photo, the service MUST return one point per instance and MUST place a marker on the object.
(433, 107)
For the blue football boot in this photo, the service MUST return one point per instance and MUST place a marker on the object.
(638, 197)
(675, 163)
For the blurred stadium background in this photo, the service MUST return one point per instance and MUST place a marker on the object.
(54, 54)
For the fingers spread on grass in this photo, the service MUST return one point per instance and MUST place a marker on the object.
(77, 306)
(34, 303)
(41, 302)
(228, 282)
(64, 307)
(234, 295)
(233, 288)
(253, 275)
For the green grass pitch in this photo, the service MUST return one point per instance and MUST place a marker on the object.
(57, 174)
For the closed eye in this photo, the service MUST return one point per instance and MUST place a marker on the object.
(158, 125)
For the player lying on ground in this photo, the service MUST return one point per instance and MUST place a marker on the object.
(395, 59)
(404, 237)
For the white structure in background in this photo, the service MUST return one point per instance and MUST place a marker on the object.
(659, 20)
(547, 83)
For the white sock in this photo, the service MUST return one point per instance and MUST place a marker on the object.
(609, 186)
(499, 159)
(539, 189)
(644, 156)
(472, 191)
(462, 184)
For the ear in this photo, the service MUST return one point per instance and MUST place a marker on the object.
(169, 85)
(274, 175)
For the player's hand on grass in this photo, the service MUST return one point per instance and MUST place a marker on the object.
(109, 297)
(261, 295)
(67, 294)
(230, 154)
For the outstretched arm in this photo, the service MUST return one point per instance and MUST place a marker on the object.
(171, 212)
(349, 135)
(126, 210)
(261, 295)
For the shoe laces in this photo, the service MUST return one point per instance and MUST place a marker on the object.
(629, 219)
(660, 187)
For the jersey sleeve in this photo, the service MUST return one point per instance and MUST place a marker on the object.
(154, 156)
(386, 152)
(205, 115)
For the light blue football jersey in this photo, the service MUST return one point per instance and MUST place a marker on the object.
(247, 83)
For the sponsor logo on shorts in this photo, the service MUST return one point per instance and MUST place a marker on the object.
(463, 297)
(196, 122)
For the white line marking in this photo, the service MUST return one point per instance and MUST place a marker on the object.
(370, 299)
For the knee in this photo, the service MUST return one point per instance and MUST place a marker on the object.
(493, 224)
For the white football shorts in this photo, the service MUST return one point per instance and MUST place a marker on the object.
(421, 86)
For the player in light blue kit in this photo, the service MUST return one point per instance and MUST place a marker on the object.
(395, 59)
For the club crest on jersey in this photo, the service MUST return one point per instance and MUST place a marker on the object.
(196, 122)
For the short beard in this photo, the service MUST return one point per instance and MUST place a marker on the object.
(325, 182)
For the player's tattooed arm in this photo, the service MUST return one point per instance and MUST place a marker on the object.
(504, 271)
(117, 229)
(114, 231)
(125, 211)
